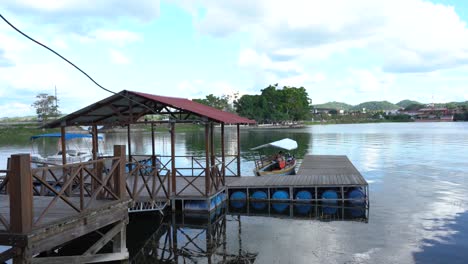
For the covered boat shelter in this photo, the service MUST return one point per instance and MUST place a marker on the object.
(128, 108)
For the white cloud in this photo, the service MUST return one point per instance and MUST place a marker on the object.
(403, 33)
(117, 37)
(118, 57)
(51, 10)
(15, 110)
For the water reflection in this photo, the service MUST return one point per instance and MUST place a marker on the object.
(311, 211)
(217, 237)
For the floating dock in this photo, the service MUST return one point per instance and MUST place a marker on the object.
(319, 178)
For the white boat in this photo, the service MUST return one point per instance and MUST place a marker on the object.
(72, 154)
(278, 164)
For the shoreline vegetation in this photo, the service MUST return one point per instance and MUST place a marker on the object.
(12, 133)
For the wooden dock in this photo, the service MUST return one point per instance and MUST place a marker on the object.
(41, 223)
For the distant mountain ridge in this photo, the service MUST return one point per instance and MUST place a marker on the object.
(383, 105)
(335, 105)
(376, 105)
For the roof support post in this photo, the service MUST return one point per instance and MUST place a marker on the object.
(63, 145)
(207, 160)
(173, 164)
(94, 135)
(238, 151)
(64, 156)
(153, 150)
(213, 162)
(129, 143)
(223, 156)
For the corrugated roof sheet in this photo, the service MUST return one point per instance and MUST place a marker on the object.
(198, 109)
(127, 106)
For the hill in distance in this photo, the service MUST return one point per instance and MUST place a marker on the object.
(376, 105)
(406, 103)
(335, 105)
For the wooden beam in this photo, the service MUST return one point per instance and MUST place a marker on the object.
(104, 239)
(21, 195)
(105, 257)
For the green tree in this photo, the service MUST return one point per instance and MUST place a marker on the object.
(275, 105)
(46, 107)
(221, 102)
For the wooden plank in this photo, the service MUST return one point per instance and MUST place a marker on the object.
(106, 257)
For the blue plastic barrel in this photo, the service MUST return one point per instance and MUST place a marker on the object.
(358, 212)
(329, 196)
(196, 205)
(329, 210)
(304, 195)
(280, 207)
(238, 204)
(258, 205)
(357, 195)
(280, 195)
(260, 195)
(238, 195)
(303, 209)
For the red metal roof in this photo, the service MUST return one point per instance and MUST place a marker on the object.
(197, 108)
(127, 107)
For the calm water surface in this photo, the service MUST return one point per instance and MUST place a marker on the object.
(418, 200)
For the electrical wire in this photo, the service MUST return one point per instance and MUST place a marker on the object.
(72, 64)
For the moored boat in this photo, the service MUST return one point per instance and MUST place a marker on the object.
(278, 164)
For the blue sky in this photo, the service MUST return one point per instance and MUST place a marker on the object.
(350, 51)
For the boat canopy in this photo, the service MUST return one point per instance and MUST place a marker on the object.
(286, 143)
(68, 136)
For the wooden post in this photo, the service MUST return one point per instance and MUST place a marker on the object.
(238, 151)
(173, 164)
(207, 159)
(213, 162)
(120, 181)
(21, 194)
(63, 145)
(94, 134)
(153, 148)
(129, 143)
(223, 155)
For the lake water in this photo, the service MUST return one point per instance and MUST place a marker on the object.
(418, 200)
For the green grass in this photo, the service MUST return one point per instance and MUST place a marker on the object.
(20, 134)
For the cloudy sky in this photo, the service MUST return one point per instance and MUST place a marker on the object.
(339, 50)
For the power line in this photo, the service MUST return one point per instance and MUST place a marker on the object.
(72, 64)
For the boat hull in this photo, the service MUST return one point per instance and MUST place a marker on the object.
(266, 170)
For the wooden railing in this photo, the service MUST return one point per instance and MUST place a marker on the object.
(77, 187)
(147, 180)
(3, 189)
